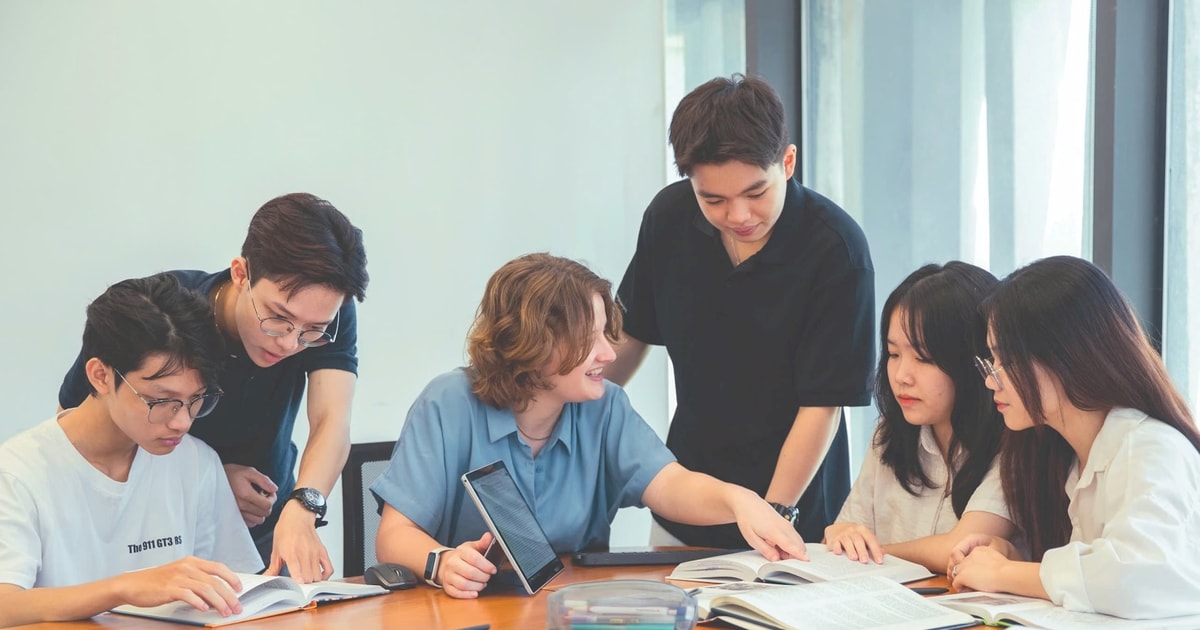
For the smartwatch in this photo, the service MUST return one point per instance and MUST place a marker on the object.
(788, 512)
(312, 500)
(432, 562)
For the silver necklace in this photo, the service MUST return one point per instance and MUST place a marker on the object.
(737, 257)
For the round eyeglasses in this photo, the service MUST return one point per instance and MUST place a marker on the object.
(987, 369)
(161, 410)
(276, 326)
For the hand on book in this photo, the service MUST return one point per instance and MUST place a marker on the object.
(298, 546)
(976, 560)
(766, 531)
(204, 584)
(464, 571)
(856, 541)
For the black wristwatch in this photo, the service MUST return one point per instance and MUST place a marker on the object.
(788, 512)
(313, 501)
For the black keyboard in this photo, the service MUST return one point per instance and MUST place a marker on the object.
(643, 557)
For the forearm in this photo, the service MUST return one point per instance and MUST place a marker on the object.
(803, 451)
(1021, 578)
(930, 552)
(400, 541)
(933, 552)
(693, 498)
(22, 606)
(330, 393)
(324, 456)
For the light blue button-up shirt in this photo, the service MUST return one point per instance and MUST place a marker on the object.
(600, 457)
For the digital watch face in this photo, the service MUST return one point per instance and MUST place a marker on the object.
(513, 525)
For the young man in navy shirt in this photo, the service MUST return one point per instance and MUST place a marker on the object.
(285, 307)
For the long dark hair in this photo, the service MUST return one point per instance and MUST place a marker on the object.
(943, 323)
(1066, 316)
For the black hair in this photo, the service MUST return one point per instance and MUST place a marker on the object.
(300, 240)
(1064, 315)
(134, 319)
(943, 323)
(729, 119)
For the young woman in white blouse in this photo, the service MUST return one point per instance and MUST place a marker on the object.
(1101, 467)
(931, 477)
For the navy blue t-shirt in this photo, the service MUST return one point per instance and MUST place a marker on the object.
(791, 327)
(252, 424)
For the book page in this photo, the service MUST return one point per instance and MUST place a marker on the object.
(824, 565)
(706, 594)
(267, 598)
(742, 565)
(1039, 613)
(332, 590)
(870, 602)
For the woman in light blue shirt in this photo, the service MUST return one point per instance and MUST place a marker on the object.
(534, 396)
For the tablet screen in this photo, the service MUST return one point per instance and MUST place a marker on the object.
(513, 525)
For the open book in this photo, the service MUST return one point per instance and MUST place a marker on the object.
(822, 566)
(1003, 609)
(261, 596)
(863, 602)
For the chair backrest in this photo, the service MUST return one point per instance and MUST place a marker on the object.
(360, 515)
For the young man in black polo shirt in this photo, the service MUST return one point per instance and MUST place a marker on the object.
(286, 310)
(762, 292)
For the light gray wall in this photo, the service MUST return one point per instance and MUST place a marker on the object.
(140, 136)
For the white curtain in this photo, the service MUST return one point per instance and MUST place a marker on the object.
(951, 129)
(1181, 344)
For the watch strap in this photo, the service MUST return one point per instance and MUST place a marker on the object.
(432, 562)
(788, 512)
(304, 498)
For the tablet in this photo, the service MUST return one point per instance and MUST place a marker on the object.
(513, 525)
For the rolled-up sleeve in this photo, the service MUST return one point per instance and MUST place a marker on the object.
(634, 452)
(415, 481)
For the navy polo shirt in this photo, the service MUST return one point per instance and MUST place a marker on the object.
(791, 327)
(252, 424)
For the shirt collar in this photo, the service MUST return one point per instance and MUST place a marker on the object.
(501, 424)
(931, 454)
(1117, 425)
(785, 226)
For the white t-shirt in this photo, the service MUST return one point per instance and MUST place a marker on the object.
(879, 502)
(63, 522)
(1135, 524)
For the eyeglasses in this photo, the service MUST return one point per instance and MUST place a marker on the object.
(987, 369)
(275, 326)
(161, 410)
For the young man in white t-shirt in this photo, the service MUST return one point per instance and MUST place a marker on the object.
(111, 502)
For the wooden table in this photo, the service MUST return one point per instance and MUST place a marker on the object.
(418, 608)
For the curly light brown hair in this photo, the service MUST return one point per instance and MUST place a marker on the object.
(532, 306)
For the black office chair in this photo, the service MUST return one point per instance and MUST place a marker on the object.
(360, 516)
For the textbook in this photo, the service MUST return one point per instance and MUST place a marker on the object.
(822, 566)
(862, 602)
(261, 596)
(1001, 609)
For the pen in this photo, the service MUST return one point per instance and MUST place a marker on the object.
(482, 626)
(929, 590)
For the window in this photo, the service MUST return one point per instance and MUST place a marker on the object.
(1181, 339)
(950, 131)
